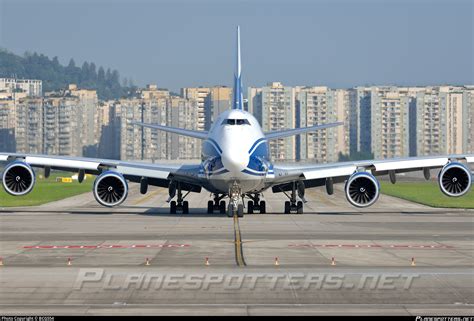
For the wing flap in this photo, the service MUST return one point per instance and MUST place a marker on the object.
(412, 163)
(62, 163)
(141, 171)
(330, 172)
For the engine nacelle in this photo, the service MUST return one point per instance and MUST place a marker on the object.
(18, 179)
(455, 179)
(110, 189)
(362, 189)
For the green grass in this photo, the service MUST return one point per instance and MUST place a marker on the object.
(47, 190)
(427, 193)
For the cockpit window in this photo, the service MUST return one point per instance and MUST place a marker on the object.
(242, 122)
(235, 122)
(228, 122)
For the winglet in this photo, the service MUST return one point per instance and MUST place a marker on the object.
(238, 95)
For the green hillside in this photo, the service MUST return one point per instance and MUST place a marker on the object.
(56, 76)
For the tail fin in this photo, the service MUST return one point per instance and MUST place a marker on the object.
(238, 102)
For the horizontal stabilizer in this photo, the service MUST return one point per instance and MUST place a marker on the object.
(174, 130)
(296, 131)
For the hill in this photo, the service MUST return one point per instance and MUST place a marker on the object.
(56, 76)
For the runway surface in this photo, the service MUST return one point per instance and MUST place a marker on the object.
(397, 257)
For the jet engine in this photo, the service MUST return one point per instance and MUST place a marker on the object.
(362, 189)
(18, 179)
(455, 179)
(110, 189)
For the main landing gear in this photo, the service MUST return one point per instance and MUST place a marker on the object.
(292, 206)
(180, 205)
(255, 204)
(216, 205)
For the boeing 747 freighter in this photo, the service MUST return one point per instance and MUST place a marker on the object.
(235, 166)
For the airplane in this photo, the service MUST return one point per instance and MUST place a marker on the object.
(235, 165)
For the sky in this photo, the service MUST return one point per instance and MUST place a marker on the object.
(186, 43)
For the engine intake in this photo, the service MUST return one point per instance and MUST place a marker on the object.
(110, 189)
(362, 189)
(455, 179)
(18, 179)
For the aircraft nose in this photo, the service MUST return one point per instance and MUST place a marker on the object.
(235, 162)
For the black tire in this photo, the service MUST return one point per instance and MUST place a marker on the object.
(210, 207)
(230, 210)
(173, 207)
(263, 207)
(222, 207)
(287, 207)
(299, 207)
(185, 207)
(250, 207)
(240, 210)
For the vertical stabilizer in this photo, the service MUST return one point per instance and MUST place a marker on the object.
(238, 101)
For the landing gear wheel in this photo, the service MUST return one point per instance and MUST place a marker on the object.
(240, 210)
(222, 207)
(250, 207)
(185, 207)
(263, 207)
(287, 207)
(173, 207)
(230, 210)
(299, 207)
(210, 207)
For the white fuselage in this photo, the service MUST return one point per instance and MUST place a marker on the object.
(236, 151)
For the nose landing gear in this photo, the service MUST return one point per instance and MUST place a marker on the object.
(234, 206)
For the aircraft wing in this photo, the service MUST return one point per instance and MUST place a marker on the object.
(157, 174)
(295, 131)
(316, 174)
(180, 131)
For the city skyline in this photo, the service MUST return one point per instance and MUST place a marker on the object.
(319, 43)
(378, 121)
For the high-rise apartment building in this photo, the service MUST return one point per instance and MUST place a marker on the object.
(211, 101)
(218, 101)
(468, 101)
(71, 122)
(7, 125)
(156, 108)
(274, 107)
(29, 125)
(322, 105)
(443, 120)
(32, 87)
(390, 129)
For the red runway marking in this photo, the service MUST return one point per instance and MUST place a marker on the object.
(106, 246)
(369, 246)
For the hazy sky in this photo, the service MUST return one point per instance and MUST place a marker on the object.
(188, 43)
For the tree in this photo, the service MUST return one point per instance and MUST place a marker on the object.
(56, 76)
(72, 64)
(101, 75)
